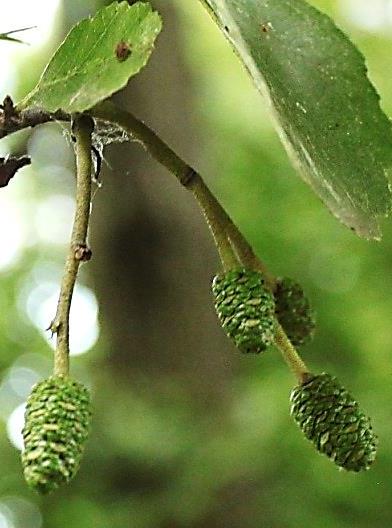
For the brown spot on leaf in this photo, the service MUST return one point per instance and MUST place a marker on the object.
(123, 50)
(266, 28)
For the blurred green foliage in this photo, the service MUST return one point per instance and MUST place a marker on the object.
(164, 455)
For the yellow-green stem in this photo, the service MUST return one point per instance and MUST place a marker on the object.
(82, 129)
(222, 227)
(216, 219)
(290, 355)
(247, 256)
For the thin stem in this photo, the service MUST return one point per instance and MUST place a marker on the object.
(226, 234)
(222, 227)
(78, 251)
(13, 119)
(216, 218)
(247, 256)
(290, 355)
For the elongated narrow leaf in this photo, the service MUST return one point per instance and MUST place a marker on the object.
(7, 35)
(327, 110)
(97, 58)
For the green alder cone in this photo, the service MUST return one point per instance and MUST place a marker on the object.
(245, 308)
(331, 419)
(293, 311)
(57, 421)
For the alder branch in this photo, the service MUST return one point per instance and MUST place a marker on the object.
(12, 120)
(187, 176)
(215, 213)
(78, 250)
(231, 243)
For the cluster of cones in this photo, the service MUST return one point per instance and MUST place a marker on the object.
(58, 409)
(325, 412)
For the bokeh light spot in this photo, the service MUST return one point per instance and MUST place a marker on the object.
(11, 233)
(18, 14)
(334, 270)
(21, 380)
(5, 517)
(23, 513)
(374, 16)
(54, 217)
(84, 329)
(15, 425)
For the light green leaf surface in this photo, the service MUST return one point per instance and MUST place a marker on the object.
(86, 69)
(327, 110)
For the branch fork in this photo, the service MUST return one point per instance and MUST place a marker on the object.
(234, 250)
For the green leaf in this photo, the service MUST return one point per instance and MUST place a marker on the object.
(97, 58)
(328, 112)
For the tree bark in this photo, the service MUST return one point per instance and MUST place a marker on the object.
(154, 258)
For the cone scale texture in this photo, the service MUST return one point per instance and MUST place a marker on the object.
(245, 308)
(293, 311)
(57, 420)
(331, 419)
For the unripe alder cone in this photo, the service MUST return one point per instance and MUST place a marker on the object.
(331, 419)
(245, 308)
(57, 421)
(293, 311)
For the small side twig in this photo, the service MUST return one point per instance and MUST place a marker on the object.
(6, 35)
(12, 119)
(78, 251)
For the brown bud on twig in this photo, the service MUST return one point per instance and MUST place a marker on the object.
(83, 253)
